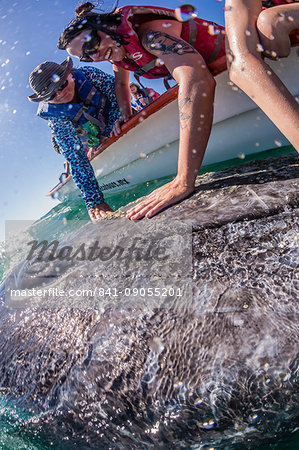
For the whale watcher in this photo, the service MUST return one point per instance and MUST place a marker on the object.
(156, 42)
(82, 111)
(257, 30)
(141, 97)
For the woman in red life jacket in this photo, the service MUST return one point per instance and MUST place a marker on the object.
(132, 38)
(142, 97)
(256, 29)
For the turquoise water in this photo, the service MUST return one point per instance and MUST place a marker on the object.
(13, 421)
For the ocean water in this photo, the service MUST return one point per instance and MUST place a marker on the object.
(14, 421)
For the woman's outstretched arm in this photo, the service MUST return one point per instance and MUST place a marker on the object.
(251, 73)
(195, 100)
(123, 96)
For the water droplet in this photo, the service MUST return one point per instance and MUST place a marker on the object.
(269, 72)
(257, 144)
(64, 221)
(212, 30)
(204, 94)
(241, 155)
(208, 425)
(62, 178)
(267, 381)
(141, 119)
(14, 111)
(27, 53)
(274, 54)
(166, 24)
(194, 151)
(266, 366)
(271, 37)
(55, 78)
(259, 48)
(286, 377)
(197, 401)
(245, 306)
(142, 155)
(184, 13)
(278, 143)
(248, 33)
(87, 37)
(290, 19)
(178, 384)
(230, 57)
(254, 417)
(156, 345)
(159, 62)
(39, 71)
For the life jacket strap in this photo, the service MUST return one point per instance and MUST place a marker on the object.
(192, 32)
(217, 48)
(146, 68)
(85, 107)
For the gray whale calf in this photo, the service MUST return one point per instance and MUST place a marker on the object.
(215, 368)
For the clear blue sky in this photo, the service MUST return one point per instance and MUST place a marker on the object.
(29, 30)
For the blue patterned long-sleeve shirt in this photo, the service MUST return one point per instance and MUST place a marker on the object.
(71, 146)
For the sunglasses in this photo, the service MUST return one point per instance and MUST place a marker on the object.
(63, 86)
(90, 47)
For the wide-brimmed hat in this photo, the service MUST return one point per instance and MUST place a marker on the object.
(47, 78)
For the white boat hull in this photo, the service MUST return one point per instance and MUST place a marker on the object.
(149, 150)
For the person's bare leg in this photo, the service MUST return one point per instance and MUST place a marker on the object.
(274, 26)
(248, 70)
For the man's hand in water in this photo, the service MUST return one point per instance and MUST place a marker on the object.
(97, 212)
(159, 199)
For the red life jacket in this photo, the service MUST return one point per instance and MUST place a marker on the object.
(206, 37)
(270, 3)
